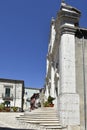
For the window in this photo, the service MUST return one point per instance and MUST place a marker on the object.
(26, 93)
(7, 92)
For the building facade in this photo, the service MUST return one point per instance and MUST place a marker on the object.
(16, 94)
(13, 92)
(66, 73)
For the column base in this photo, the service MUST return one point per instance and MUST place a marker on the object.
(73, 128)
(69, 112)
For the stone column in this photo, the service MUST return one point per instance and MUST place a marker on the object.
(56, 83)
(52, 81)
(68, 98)
(46, 93)
(66, 22)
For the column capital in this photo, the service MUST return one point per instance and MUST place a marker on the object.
(67, 30)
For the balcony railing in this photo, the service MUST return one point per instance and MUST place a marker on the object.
(7, 97)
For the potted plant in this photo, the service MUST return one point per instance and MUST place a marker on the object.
(7, 109)
(46, 104)
(15, 109)
(49, 102)
(7, 106)
(50, 99)
(2, 107)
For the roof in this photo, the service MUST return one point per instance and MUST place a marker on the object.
(66, 6)
(32, 88)
(81, 32)
(11, 80)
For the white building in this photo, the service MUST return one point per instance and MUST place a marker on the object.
(12, 91)
(66, 73)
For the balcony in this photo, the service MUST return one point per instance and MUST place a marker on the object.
(7, 97)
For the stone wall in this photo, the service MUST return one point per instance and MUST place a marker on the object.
(81, 77)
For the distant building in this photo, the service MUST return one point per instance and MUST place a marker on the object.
(16, 94)
(12, 91)
(27, 95)
(66, 73)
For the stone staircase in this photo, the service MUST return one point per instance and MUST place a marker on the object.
(41, 119)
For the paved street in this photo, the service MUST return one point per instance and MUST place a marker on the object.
(8, 121)
(4, 128)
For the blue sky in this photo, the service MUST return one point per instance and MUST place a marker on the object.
(24, 37)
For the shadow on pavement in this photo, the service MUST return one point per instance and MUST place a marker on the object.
(4, 128)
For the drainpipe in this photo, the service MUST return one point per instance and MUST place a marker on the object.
(15, 96)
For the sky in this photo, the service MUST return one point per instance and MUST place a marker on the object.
(24, 37)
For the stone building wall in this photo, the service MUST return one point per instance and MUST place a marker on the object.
(69, 51)
(81, 76)
(15, 94)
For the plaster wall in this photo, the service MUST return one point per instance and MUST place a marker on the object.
(15, 90)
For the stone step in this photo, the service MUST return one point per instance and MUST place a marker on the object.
(46, 108)
(40, 115)
(26, 113)
(37, 118)
(51, 126)
(43, 109)
(42, 121)
(44, 118)
(34, 111)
